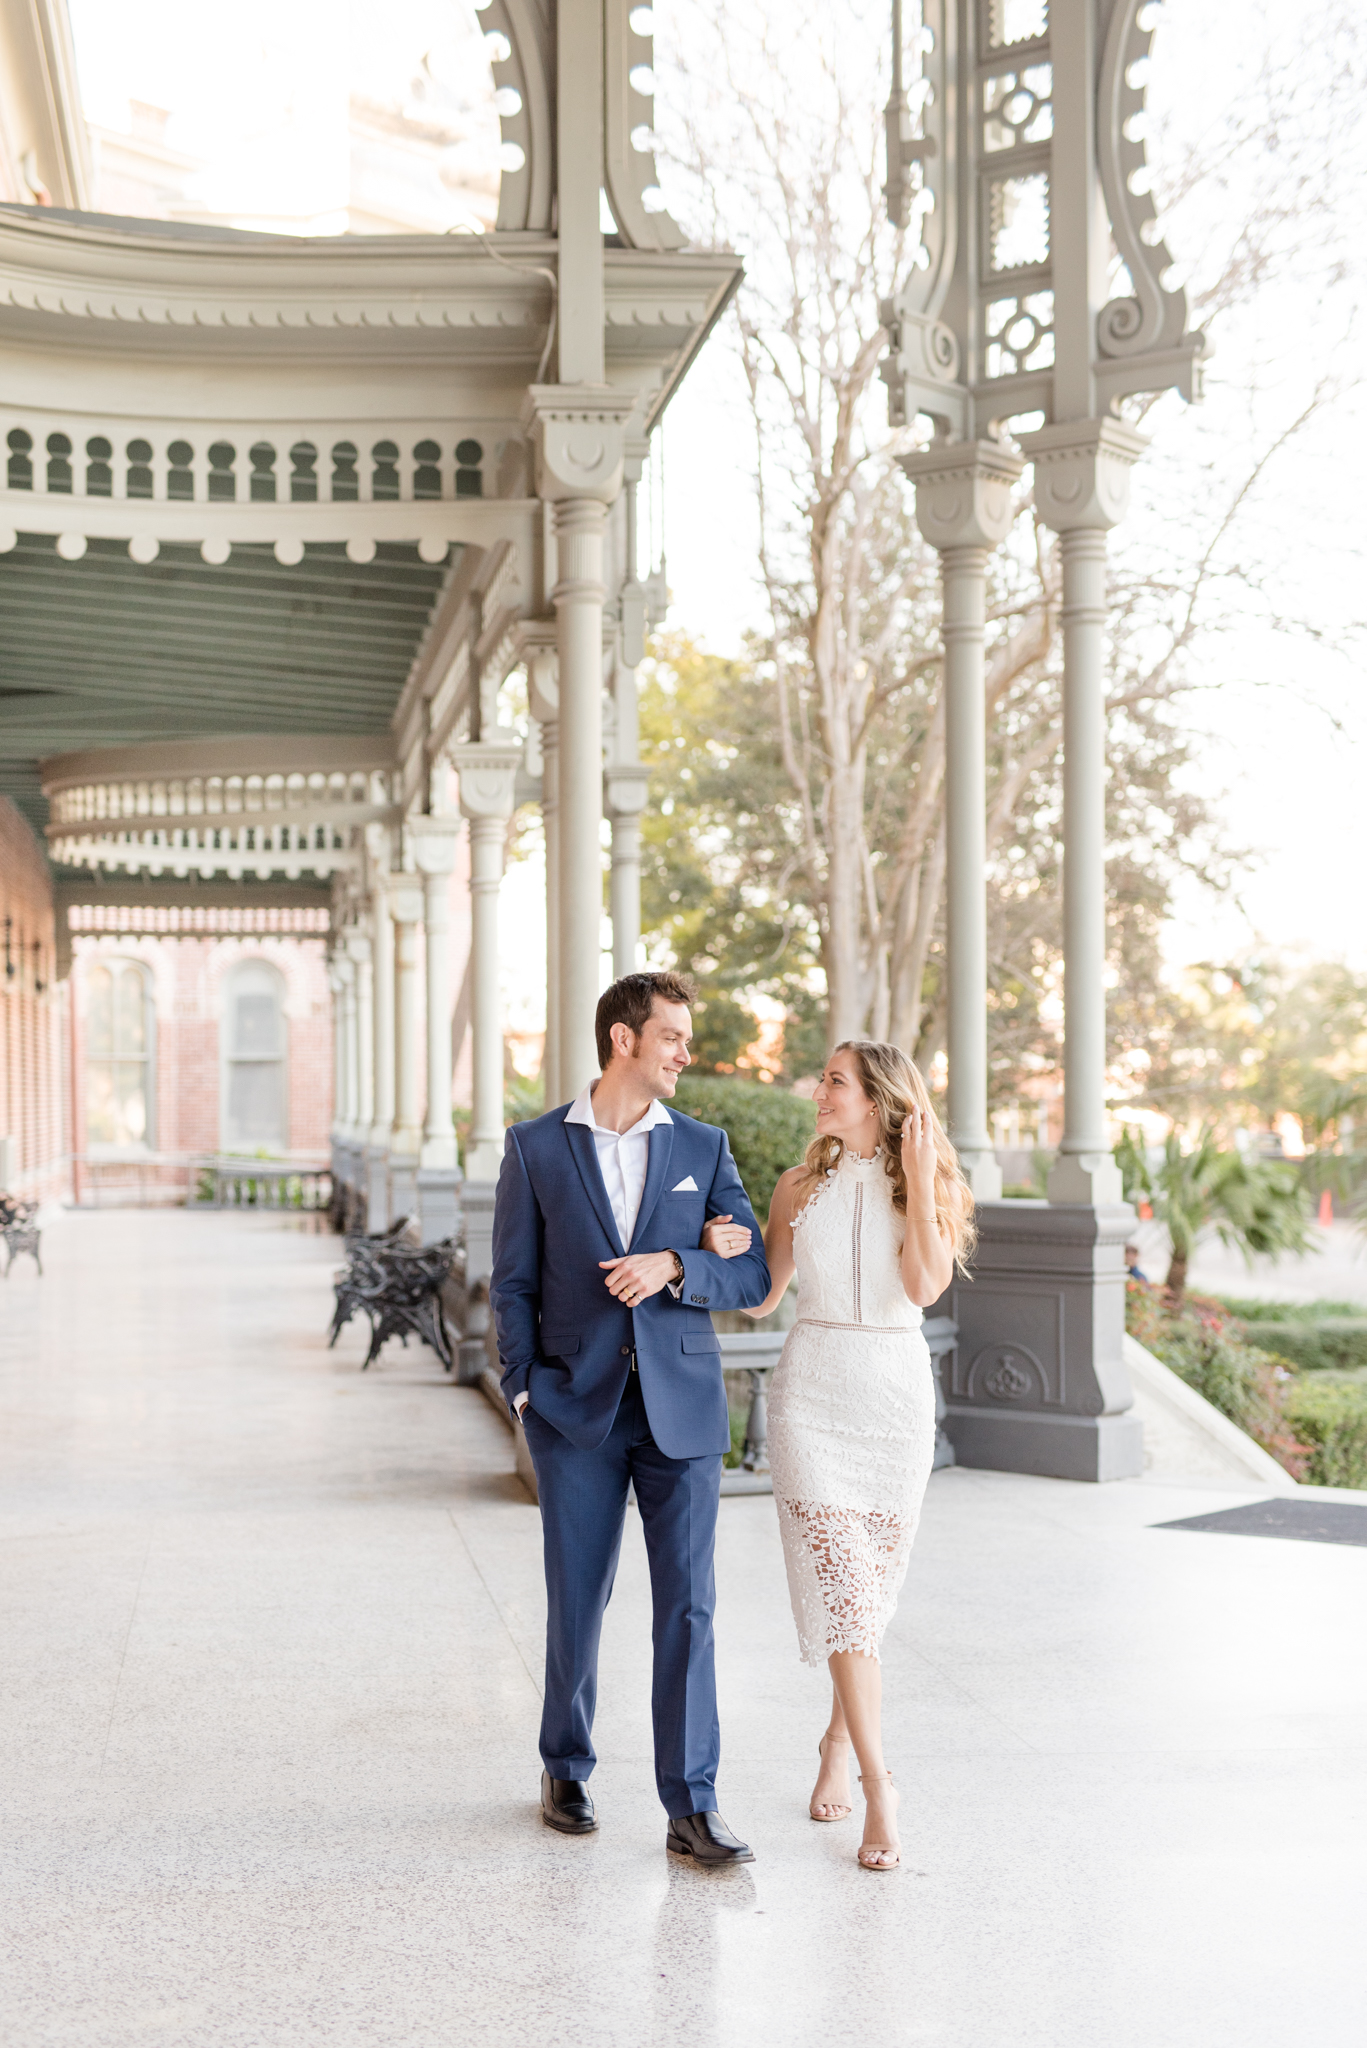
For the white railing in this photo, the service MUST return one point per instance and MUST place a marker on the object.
(238, 464)
(190, 796)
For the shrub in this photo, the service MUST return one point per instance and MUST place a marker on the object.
(1256, 1310)
(1198, 1342)
(769, 1129)
(1337, 1344)
(1317, 1336)
(1330, 1414)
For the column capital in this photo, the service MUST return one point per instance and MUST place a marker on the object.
(543, 685)
(434, 843)
(404, 894)
(626, 786)
(1082, 472)
(357, 942)
(578, 437)
(488, 775)
(963, 492)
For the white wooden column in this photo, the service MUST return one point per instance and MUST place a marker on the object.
(359, 953)
(346, 976)
(381, 1034)
(405, 1139)
(578, 438)
(434, 851)
(625, 782)
(338, 1051)
(1082, 482)
(963, 507)
(488, 774)
(543, 692)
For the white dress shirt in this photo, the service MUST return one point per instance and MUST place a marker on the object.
(623, 1157)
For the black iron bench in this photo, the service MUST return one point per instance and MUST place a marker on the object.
(19, 1228)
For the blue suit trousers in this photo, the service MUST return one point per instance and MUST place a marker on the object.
(583, 1508)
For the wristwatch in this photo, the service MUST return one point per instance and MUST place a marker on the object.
(675, 1286)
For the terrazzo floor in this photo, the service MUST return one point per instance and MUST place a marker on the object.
(269, 1690)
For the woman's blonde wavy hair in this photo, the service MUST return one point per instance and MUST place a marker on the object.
(893, 1083)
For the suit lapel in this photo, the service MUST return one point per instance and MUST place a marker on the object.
(585, 1154)
(661, 1144)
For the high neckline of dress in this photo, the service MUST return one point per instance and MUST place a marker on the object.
(862, 1167)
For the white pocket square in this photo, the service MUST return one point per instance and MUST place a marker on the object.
(685, 1187)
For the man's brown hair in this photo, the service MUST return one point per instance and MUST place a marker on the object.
(631, 1001)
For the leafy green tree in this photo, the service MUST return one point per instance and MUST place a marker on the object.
(769, 1128)
(1258, 1205)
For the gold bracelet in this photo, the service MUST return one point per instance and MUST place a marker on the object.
(932, 1218)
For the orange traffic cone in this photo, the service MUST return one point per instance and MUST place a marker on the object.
(1326, 1208)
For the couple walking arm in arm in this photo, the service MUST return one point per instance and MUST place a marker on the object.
(619, 1227)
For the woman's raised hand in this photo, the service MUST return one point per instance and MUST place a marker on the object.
(727, 1239)
(918, 1162)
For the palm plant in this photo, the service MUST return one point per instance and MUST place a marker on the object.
(1258, 1205)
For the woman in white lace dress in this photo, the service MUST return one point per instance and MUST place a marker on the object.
(872, 1223)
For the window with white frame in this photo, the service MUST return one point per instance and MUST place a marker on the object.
(119, 1032)
(253, 1037)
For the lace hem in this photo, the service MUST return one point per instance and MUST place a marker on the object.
(845, 1569)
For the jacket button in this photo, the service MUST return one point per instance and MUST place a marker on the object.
(625, 1351)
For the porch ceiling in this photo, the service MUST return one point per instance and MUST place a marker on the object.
(106, 651)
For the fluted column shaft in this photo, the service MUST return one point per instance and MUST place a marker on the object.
(1082, 482)
(550, 819)
(406, 1136)
(358, 949)
(964, 509)
(382, 1026)
(578, 598)
(1084, 841)
(486, 1020)
(965, 585)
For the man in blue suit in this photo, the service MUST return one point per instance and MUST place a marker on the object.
(612, 1218)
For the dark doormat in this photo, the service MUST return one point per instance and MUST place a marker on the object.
(1304, 1521)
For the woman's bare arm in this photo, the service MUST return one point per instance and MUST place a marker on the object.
(778, 1243)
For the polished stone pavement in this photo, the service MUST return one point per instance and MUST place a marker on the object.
(269, 1698)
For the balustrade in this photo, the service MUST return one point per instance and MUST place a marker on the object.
(261, 472)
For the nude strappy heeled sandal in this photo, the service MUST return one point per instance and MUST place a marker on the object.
(842, 1811)
(867, 1849)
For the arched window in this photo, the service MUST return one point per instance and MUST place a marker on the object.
(118, 1056)
(253, 1039)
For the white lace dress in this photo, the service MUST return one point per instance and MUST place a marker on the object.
(851, 1416)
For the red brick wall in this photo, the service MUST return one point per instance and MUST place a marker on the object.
(188, 977)
(32, 1010)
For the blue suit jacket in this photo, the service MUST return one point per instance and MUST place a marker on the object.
(562, 1338)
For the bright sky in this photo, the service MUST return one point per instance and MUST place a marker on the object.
(256, 92)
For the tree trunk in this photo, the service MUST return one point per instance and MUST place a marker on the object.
(842, 941)
(1176, 1283)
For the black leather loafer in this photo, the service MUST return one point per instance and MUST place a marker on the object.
(566, 1806)
(707, 1839)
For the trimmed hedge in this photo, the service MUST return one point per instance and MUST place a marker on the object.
(1337, 1344)
(769, 1129)
(1330, 1414)
(1317, 1336)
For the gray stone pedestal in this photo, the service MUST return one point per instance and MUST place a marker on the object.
(1037, 1381)
(403, 1187)
(377, 1189)
(477, 1203)
(438, 1191)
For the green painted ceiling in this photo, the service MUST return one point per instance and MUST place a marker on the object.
(107, 651)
